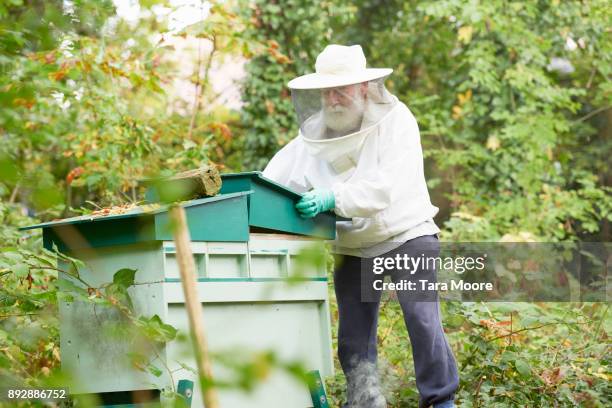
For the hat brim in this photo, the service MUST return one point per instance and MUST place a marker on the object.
(318, 81)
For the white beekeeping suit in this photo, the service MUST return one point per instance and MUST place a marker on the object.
(371, 160)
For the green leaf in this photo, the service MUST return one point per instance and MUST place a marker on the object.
(157, 330)
(124, 277)
(154, 370)
(522, 367)
(186, 367)
(120, 294)
(21, 270)
(28, 306)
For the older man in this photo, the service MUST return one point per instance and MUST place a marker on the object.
(358, 153)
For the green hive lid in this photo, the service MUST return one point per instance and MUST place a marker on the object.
(220, 218)
(272, 206)
(134, 212)
(258, 177)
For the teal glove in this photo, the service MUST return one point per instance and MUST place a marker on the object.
(315, 202)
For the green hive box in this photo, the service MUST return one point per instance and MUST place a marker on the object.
(271, 207)
(250, 299)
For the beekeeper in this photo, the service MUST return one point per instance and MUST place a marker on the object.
(358, 153)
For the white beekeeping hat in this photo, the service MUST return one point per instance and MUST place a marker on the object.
(339, 65)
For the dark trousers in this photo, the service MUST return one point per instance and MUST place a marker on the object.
(437, 377)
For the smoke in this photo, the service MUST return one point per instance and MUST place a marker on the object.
(392, 382)
(363, 387)
(374, 385)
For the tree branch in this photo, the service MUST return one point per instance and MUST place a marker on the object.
(512, 333)
(593, 113)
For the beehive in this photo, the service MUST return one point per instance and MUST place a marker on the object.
(246, 243)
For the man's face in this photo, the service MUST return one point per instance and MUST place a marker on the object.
(343, 106)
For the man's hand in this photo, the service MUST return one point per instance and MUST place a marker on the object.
(315, 202)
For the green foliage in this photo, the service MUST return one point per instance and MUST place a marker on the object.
(157, 330)
(84, 104)
(513, 139)
(29, 327)
(523, 354)
(124, 277)
(508, 354)
(62, 106)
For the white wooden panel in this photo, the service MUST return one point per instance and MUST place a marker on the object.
(292, 330)
(171, 265)
(226, 266)
(92, 352)
(268, 265)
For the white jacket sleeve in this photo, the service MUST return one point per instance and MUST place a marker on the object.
(399, 149)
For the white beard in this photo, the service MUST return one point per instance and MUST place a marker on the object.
(342, 119)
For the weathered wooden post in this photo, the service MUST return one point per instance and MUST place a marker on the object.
(187, 269)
